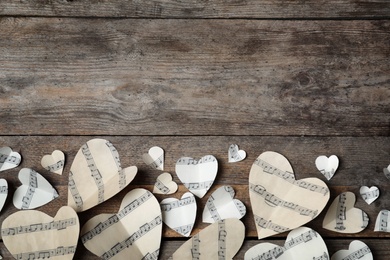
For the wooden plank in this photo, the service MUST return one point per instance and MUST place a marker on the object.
(194, 77)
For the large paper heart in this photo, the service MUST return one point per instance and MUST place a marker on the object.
(164, 184)
(357, 250)
(154, 158)
(197, 176)
(222, 205)
(134, 232)
(9, 159)
(54, 162)
(342, 217)
(235, 155)
(327, 166)
(382, 222)
(302, 243)
(96, 175)
(386, 171)
(220, 240)
(279, 201)
(369, 194)
(32, 234)
(35, 191)
(179, 214)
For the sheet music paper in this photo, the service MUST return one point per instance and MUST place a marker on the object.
(234, 154)
(54, 162)
(327, 166)
(154, 158)
(382, 222)
(369, 195)
(9, 159)
(3, 192)
(164, 184)
(32, 234)
(357, 251)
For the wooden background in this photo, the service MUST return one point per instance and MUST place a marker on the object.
(303, 78)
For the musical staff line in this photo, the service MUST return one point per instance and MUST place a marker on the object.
(268, 224)
(370, 194)
(177, 203)
(189, 161)
(32, 185)
(56, 166)
(47, 253)
(212, 209)
(221, 240)
(198, 185)
(358, 254)
(382, 221)
(151, 256)
(5, 158)
(58, 225)
(184, 229)
(341, 212)
(195, 250)
(161, 187)
(74, 192)
(157, 163)
(121, 172)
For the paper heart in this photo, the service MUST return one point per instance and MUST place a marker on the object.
(164, 184)
(54, 162)
(357, 250)
(96, 175)
(342, 217)
(279, 201)
(220, 240)
(32, 234)
(179, 214)
(3, 192)
(222, 205)
(327, 166)
(9, 159)
(134, 232)
(382, 222)
(386, 171)
(234, 154)
(35, 191)
(197, 176)
(302, 243)
(369, 194)
(154, 158)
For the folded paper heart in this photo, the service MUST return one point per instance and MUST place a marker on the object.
(386, 171)
(154, 158)
(164, 184)
(234, 154)
(222, 205)
(54, 162)
(382, 222)
(369, 194)
(35, 191)
(220, 240)
(179, 214)
(3, 192)
(96, 175)
(134, 232)
(327, 166)
(197, 176)
(279, 201)
(342, 217)
(302, 243)
(32, 234)
(357, 250)
(9, 159)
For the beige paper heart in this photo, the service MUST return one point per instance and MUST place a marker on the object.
(327, 166)
(132, 233)
(54, 162)
(9, 159)
(356, 250)
(369, 194)
(279, 201)
(164, 184)
(235, 155)
(96, 175)
(154, 158)
(32, 234)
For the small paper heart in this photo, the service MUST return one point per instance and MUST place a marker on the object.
(382, 222)
(357, 250)
(54, 162)
(9, 159)
(179, 215)
(3, 192)
(386, 171)
(154, 158)
(222, 205)
(164, 184)
(369, 194)
(234, 154)
(327, 166)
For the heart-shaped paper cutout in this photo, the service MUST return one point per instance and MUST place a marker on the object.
(96, 175)
(382, 222)
(32, 234)
(342, 217)
(3, 192)
(234, 154)
(222, 205)
(54, 162)
(154, 158)
(134, 232)
(302, 243)
(164, 184)
(369, 194)
(356, 250)
(35, 191)
(327, 166)
(179, 214)
(386, 171)
(9, 159)
(197, 176)
(279, 201)
(220, 240)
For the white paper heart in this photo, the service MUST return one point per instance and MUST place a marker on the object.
(34, 192)
(386, 171)
(9, 159)
(164, 184)
(134, 232)
(220, 240)
(154, 158)
(222, 205)
(3, 192)
(342, 217)
(179, 215)
(234, 154)
(369, 194)
(302, 243)
(357, 250)
(279, 201)
(96, 175)
(32, 234)
(197, 176)
(327, 166)
(54, 162)
(382, 222)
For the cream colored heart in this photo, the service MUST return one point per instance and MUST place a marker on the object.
(327, 166)
(369, 194)
(164, 184)
(132, 233)
(234, 154)
(356, 250)
(154, 158)
(54, 162)
(382, 223)
(342, 217)
(279, 201)
(9, 159)
(32, 234)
